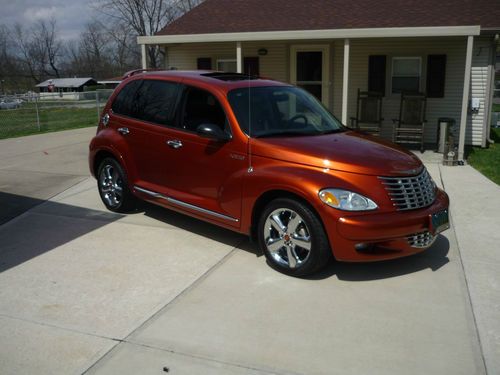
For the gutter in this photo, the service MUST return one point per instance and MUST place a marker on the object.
(388, 32)
(492, 85)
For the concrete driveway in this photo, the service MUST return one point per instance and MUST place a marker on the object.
(85, 290)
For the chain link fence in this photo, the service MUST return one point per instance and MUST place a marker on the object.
(33, 113)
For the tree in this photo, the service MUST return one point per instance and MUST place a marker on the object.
(39, 49)
(146, 17)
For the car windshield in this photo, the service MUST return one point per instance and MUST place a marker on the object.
(281, 111)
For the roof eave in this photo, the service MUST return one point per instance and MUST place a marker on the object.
(490, 30)
(391, 32)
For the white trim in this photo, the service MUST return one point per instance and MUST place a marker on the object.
(144, 57)
(389, 32)
(345, 81)
(465, 97)
(325, 62)
(239, 58)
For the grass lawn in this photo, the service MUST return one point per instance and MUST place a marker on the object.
(487, 160)
(496, 108)
(22, 121)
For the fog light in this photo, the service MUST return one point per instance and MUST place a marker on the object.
(363, 247)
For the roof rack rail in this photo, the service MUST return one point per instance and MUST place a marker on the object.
(137, 71)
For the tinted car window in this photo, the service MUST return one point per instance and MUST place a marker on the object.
(277, 110)
(147, 100)
(123, 103)
(155, 101)
(201, 107)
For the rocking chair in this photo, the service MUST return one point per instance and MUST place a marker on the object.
(409, 128)
(368, 112)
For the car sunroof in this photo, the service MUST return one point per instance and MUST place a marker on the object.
(223, 76)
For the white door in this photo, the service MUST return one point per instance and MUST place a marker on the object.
(309, 69)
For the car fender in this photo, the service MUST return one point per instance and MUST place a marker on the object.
(109, 141)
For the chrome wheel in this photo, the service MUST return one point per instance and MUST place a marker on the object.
(287, 238)
(111, 186)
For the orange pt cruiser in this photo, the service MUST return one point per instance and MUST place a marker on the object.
(266, 159)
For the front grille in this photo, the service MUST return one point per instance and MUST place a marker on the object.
(410, 193)
(421, 240)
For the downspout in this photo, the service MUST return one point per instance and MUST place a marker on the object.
(492, 86)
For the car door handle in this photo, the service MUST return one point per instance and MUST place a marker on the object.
(175, 143)
(123, 131)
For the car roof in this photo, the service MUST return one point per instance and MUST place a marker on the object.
(221, 80)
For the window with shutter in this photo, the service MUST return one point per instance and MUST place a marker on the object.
(376, 73)
(204, 63)
(436, 75)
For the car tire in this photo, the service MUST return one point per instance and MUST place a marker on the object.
(292, 238)
(113, 187)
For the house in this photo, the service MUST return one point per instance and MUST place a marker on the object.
(333, 48)
(64, 88)
(110, 83)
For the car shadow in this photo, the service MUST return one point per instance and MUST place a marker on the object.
(193, 225)
(39, 234)
(45, 228)
(433, 258)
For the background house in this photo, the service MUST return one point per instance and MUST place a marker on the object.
(335, 47)
(64, 88)
(110, 83)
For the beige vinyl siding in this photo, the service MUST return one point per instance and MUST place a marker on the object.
(479, 83)
(276, 65)
(449, 106)
(273, 65)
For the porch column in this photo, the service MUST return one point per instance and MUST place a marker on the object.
(465, 97)
(144, 57)
(345, 83)
(239, 59)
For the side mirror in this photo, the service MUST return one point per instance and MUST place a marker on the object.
(212, 131)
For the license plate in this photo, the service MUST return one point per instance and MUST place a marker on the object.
(439, 222)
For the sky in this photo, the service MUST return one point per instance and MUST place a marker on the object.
(71, 15)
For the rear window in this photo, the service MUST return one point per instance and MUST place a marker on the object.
(148, 100)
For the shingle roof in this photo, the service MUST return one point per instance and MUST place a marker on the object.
(226, 16)
(66, 82)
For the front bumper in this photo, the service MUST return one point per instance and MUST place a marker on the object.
(380, 236)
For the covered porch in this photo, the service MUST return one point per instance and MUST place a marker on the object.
(334, 64)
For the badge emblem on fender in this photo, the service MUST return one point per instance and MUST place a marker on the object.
(236, 156)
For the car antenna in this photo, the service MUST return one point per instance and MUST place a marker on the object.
(250, 168)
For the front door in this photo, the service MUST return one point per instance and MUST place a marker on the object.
(310, 70)
(205, 174)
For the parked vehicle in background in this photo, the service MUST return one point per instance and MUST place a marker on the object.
(7, 103)
(266, 159)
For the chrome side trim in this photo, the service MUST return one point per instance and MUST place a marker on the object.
(184, 204)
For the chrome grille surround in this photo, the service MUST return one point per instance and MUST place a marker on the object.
(421, 240)
(410, 193)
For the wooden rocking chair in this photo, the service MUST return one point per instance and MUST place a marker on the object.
(368, 112)
(410, 126)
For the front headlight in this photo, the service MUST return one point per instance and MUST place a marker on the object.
(346, 200)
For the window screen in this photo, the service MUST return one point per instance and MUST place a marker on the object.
(436, 74)
(226, 65)
(406, 74)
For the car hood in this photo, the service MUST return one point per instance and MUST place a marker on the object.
(346, 151)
